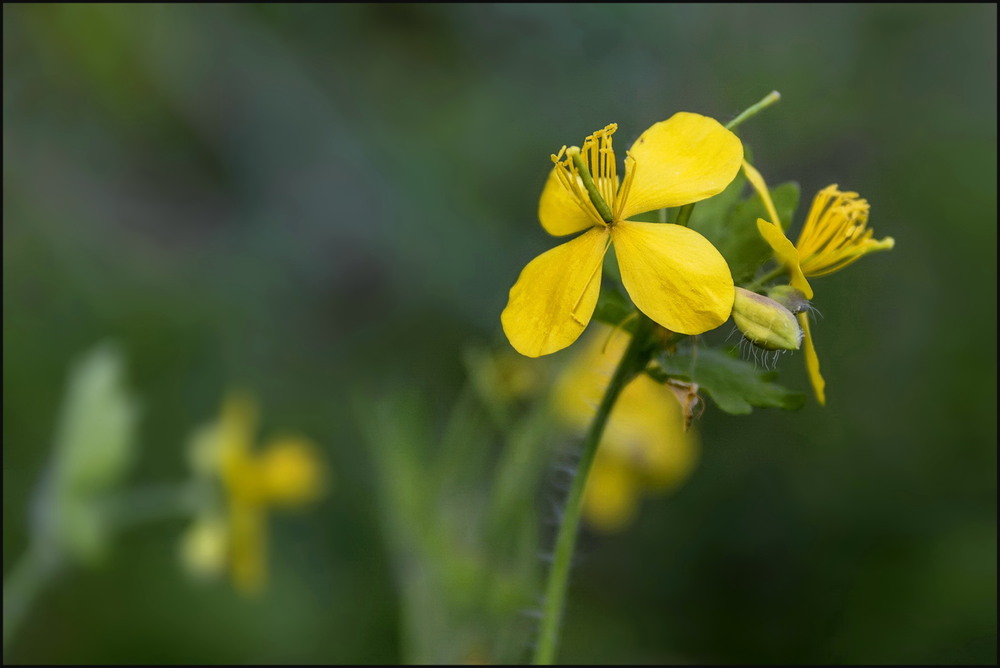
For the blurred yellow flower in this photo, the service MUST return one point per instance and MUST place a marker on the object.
(286, 473)
(645, 446)
(673, 274)
(204, 546)
(835, 234)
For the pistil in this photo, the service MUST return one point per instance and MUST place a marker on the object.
(588, 182)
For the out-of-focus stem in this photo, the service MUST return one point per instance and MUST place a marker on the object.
(23, 585)
(632, 363)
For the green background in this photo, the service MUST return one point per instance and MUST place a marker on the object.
(308, 201)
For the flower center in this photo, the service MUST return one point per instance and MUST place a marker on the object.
(590, 174)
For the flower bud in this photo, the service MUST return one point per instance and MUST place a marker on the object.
(789, 297)
(765, 322)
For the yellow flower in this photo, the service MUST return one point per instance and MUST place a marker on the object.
(672, 273)
(285, 473)
(644, 447)
(835, 234)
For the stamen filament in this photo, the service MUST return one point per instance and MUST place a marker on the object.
(836, 233)
(568, 175)
(588, 182)
(622, 196)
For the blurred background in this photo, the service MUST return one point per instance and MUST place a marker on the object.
(319, 202)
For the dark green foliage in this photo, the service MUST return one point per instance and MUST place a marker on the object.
(736, 386)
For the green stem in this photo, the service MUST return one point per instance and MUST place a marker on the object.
(153, 503)
(23, 585)
(684, 214)
(756, 284)
(632, 363)
(753, 110)
(41, 562)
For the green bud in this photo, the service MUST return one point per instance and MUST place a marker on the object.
(789, 297)
(765, 322)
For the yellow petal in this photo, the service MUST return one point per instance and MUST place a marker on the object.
(674, 275)
(559, 211)
(555, 295)
(237, 464)
(248, 547)
(648, 422)
(290, 472)
(237, 424)
(204, 545)
(757, 181)
(786, 254)
(684, 159)
(584, 380)
(773, 233)
(812, 360)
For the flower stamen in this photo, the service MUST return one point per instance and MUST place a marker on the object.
(836, 233)
(621, 197)
(596, 198)
(590, 175)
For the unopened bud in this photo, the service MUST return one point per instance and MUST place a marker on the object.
(789, 297)
(765, 322)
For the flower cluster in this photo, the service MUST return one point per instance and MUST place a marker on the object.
(232, 535)
(673, 274)
(684, 276)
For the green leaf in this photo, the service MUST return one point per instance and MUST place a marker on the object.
(731, 224)
(786, 201)
(94, 448)
(96, 426)
(613, 307)
(735, 385)
(711, 216)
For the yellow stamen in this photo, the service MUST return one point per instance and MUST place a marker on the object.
(622, 195)
(588, 183)
(593, 163)
(836, 233)
(569, 176)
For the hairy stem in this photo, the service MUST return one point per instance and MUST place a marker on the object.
(631, 364)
